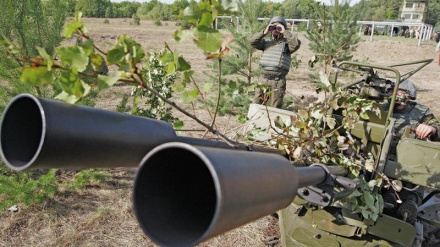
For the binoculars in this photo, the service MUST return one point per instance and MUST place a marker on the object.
(272, 28)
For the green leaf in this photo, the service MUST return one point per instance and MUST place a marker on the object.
(70, 82)
(242, 119)
(205, 21)
(182, 64)
(208, 39)
(179, 87)
(74, 26)
(47, 58)
(132, 47)
(187, 77)
(88, 47)
(279, 123)
(166, 57)
(232, 85)
(230, 5)
(190, 96)
(127, 53)
(11, 47)
(364, 115)
(170, 69)
(195, 92)
(97, 61)
(115, 55)
(369, 199)
(69, 98)
(106, 81)
(187, 98)
(178, 35)
(73, 56)
(178, 124)
(189, 14)
(37, 76)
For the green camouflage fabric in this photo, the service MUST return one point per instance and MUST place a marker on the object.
(413, 115)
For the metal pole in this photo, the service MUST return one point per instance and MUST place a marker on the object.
(372, 32)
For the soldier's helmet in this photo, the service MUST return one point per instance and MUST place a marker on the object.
(279, 19)
(409, 87)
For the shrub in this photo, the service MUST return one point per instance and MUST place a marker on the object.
(136, 20)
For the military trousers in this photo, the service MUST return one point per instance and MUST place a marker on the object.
(274, 91)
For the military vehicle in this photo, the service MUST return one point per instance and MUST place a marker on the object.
(411, 215)
(188, 190)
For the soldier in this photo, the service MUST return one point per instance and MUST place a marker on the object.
(275, 61)
(409, 113)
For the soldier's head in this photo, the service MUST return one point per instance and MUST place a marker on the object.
(406, 92)
(276, 25)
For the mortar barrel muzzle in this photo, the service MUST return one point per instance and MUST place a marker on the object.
(185, 194)
(44, 133)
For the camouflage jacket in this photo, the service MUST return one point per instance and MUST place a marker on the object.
(276, 52)
(413, 115)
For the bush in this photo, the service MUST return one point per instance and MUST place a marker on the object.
(184, 24)
(106, 21)
(39, 185)
(136, 20)
(157, 23)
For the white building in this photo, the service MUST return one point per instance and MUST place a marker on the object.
(414, 11)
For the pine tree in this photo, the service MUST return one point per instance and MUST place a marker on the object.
(27, 24)
(236, 94)
(333, 37)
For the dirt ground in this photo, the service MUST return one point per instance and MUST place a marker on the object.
(102, 214)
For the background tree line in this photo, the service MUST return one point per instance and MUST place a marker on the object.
(369, 10)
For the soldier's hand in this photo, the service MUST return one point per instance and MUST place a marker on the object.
(425, 131)
(266, 31)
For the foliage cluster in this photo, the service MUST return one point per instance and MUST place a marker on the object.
(153, 70)
(135, 19)
(22, 187)
(377, 10)
(334, 38)
(315, 136)
(40, 185)
(126, 9)
(31, 24)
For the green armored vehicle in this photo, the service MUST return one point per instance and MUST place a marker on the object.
(188, 190)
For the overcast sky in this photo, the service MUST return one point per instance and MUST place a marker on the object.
(171, 1)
